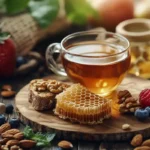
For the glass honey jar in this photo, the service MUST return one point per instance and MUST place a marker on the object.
(137, 31)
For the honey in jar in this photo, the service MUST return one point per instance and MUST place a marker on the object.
(137, 31)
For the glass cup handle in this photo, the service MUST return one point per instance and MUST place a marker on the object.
(51, 63)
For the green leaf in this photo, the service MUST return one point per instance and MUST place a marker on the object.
(50, 137)
(2, 6)
(43, 140)
(4, 36)
(15, 6)
(28, 132)
(78, 11)
(40, 144)
(44, 11)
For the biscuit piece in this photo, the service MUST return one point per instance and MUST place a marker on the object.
(42, 93)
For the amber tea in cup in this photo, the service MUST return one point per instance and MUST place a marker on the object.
(97, 60)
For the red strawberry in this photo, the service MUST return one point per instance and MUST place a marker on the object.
(144, 98)
(7, 55)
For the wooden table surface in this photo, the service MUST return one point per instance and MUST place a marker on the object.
(18, 82)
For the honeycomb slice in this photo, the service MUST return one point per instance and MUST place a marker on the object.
(80, 105)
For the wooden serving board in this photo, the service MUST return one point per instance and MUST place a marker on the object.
(110, 130)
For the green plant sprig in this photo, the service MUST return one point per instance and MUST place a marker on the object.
(42, 139)
(46, 11)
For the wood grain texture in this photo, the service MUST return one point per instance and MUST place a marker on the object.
(110, 130)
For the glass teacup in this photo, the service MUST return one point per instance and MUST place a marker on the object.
(97, 60)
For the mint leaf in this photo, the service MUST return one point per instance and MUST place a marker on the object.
(42, 139)
(15, 6)
(44, 11)
(78, 11)
(41, 144)
(28, 132)
(50, 137)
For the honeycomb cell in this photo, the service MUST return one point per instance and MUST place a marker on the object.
(80, 105)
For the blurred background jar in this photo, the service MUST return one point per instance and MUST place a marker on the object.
(137, 31)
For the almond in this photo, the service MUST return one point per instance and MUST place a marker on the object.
(146, 143)
(15, 147)
(65, 144)
(3, 141)
(142, 148)
(4, 128)
(4, 147)
(27, 143)
(5, 135)
(7, 87)
(12, 131)
(12, 143)
(19, 136)
(7, 94)
(137, 140)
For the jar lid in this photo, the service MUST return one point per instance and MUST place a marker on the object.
(135, 30)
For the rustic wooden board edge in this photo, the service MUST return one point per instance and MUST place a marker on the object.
(80, 135)
(68, 135)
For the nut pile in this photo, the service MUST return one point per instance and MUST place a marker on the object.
(127, 103)
(13, 139)
(52, 86)
(139, 144)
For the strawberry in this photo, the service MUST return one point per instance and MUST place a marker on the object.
(7, 55)
(144, 98)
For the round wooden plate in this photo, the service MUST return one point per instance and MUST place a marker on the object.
(110, 130)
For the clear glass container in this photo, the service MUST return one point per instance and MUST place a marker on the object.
(137, 31)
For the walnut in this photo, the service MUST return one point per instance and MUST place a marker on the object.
(55, 90)
(123, 95)
(41, 88)
(52, 86)
(56, 87)
(65, 86)
(39, 85)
